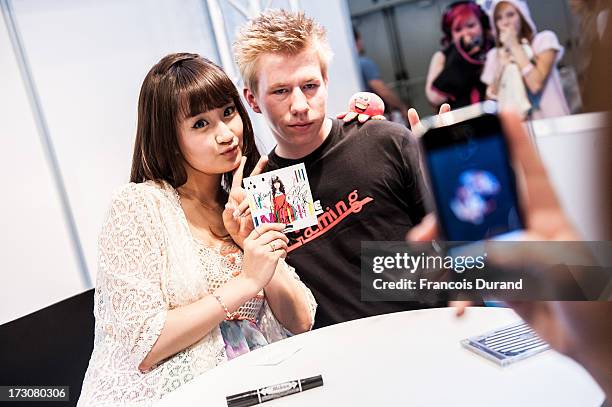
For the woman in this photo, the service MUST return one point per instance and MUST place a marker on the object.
(454, 73)
(532, 58)
(283, 211)
(175, 295)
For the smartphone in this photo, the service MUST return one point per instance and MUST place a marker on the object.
(467, 162)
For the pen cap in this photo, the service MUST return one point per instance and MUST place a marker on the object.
(312, 382)
(246, 399)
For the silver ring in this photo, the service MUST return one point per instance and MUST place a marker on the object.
(272, 246)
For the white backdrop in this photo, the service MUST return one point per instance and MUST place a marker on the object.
(38, 264)
(570, 148)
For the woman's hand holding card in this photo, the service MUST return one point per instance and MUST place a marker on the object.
(236, 216)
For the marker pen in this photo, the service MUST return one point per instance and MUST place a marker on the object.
(254, 397)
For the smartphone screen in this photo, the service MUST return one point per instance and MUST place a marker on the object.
(471, 179)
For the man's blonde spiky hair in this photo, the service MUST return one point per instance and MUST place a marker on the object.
(278, 31)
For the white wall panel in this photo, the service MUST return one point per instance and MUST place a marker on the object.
(37, 263)
(570, 148)
(89, 59)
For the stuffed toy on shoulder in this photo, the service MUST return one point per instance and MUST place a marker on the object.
(364, 106)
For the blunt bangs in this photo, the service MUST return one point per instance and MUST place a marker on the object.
(202, 88)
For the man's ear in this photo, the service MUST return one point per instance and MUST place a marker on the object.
(251, 100)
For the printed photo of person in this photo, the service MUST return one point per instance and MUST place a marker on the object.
(283, 211)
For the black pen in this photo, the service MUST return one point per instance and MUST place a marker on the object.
(254, 397)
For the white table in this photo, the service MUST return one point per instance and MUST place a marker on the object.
(411, 358)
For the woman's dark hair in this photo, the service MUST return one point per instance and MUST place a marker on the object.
(461, 9)
(281, 188)
(180, 86)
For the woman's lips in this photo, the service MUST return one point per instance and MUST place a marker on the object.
(230, 151)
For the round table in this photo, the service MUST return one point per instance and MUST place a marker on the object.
(410, 358)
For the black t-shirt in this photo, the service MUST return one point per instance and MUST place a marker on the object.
(367, 180)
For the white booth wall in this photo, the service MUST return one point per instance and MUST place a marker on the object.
(38, 265)
(88, 59)
(571, 148)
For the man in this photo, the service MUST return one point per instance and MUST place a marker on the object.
(366, 177)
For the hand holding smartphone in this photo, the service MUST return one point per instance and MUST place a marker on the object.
(468, 166)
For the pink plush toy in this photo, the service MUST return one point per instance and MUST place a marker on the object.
(364, 106)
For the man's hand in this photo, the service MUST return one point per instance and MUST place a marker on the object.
(428, 228)
(415, 120)
(236, 215)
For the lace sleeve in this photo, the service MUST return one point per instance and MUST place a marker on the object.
(267, 322)
(131, 270)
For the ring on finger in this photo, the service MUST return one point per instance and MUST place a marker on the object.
(272, 246)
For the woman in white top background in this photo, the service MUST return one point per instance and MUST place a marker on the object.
(183, 285)
(535, 54)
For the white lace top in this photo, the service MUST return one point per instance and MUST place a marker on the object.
(148, 264)
(220, 265)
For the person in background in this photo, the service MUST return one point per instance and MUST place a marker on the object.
(454, 72)
(370, 75)
(523, 56)
(182, 285)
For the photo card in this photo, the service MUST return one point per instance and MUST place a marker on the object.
(281, 196)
